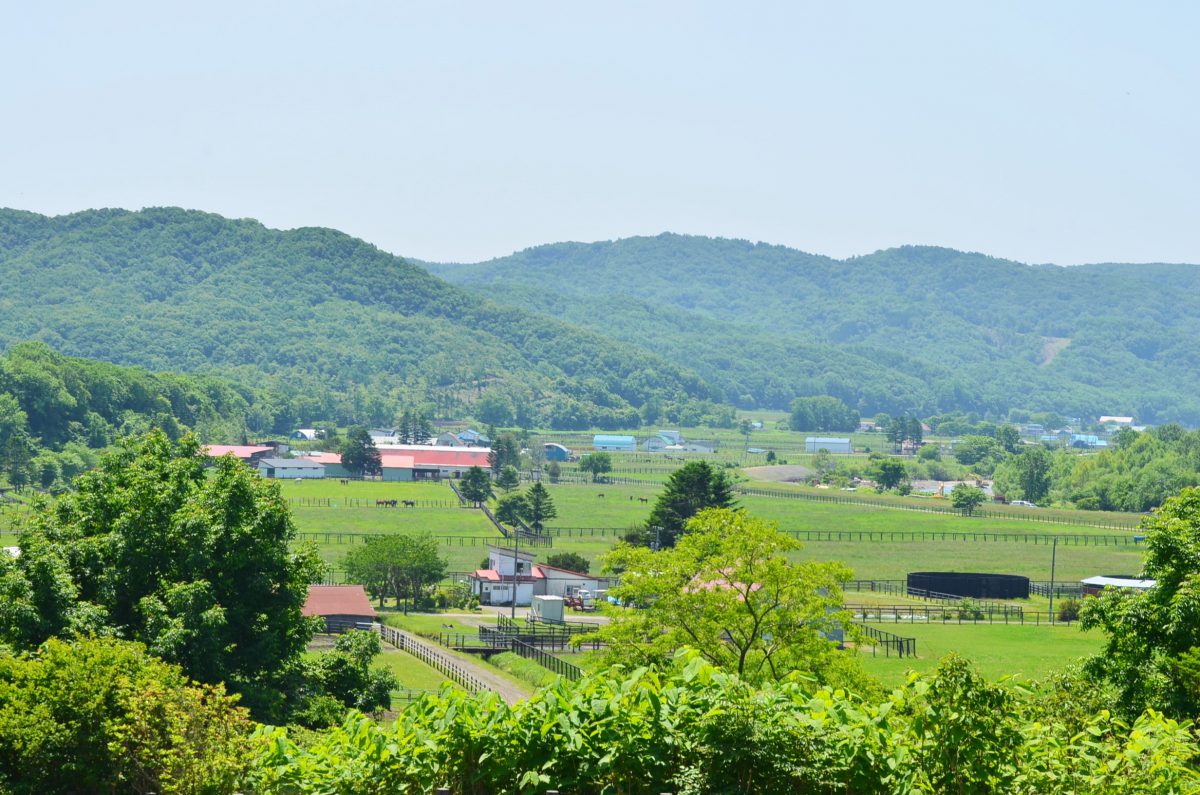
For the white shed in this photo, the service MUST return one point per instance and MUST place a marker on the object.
(290, 468)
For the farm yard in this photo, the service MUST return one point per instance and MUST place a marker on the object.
(879, 537)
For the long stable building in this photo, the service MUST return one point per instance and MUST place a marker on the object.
(406, 462)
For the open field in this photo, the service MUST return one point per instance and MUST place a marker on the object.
(882, 560)
(997, 649)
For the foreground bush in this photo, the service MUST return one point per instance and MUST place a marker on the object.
(703, 731)
(103, 716)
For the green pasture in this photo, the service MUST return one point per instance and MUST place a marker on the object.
(1025, 516)
(334, 490)
(794, 514)
(386, 521)
(411, 672)
(880, 560)
(998, 650)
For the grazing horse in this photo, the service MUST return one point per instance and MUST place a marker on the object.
(410, 503)
(345, 482)
(643, 499)
(600, 495)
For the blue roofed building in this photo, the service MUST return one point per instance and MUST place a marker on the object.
(614, 443)
(554, 451)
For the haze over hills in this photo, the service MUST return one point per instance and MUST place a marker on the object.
(951, 330)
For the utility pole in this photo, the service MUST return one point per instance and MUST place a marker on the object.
(1053, 560)
(516, 567)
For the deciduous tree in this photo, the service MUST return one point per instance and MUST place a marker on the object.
(728, 591)
(599, 464)
(154, 546)
(967, 498)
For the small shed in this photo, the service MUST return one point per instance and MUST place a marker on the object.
(344, 607)
(554, 451)
(547, 608)
(834, 444)
(284, 468)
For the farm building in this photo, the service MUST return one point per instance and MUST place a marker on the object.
(430, 462)
(405, 462)
(616, 443)
(306, 434)
(1118, 422)
(343, 607)
(332, 463)
(247, 453)
(1092, 586)
(284, 468)
(473, 438)
(494, 585)
(833, 444)
(553, 451)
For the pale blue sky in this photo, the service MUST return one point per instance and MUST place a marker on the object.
(1046, 132)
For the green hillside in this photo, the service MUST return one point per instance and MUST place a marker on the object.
(339, 329)
(913, 328)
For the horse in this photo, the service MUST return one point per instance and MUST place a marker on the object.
(600, 495)
(410, 503)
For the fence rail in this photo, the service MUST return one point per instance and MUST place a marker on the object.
(903, 647)
(365, 502)
(1043, 539)
(431, 656)
(548, 661)
(1019, 516)
(335, 537)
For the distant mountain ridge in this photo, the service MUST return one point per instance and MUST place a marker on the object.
(350, 329)
(920, 328)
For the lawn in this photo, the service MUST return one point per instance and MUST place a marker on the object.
(1030, 652)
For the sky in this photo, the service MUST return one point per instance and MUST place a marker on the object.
(1060, 132)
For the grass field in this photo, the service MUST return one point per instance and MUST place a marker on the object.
(881, 560)
(997, 649)
(580, 506)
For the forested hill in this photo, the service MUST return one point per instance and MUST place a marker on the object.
(917, 328)
(342, 330)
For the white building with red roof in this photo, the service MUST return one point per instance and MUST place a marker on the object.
(404, 462)
(495, 584)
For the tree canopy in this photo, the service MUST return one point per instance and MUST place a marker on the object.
(690, 489)
(195, 563)
(727, 591)
(1152, 654)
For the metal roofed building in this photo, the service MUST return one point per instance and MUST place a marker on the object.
(616, 443)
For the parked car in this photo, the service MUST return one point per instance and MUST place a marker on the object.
(1023, 503)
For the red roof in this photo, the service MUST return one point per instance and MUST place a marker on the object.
(492, 575)
(324, 458)
(337, 600)
(239, 450)
(451, 458)
(414, 457)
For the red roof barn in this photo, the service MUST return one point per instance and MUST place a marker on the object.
(342, 606)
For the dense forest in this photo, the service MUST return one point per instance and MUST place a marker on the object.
(57, 412)
(914, 329)
(337, 328)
